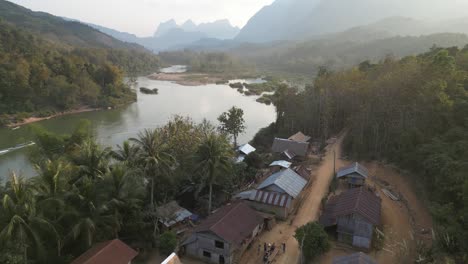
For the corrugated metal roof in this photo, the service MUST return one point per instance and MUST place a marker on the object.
(299, 137)
(287, 180)
(281, 163)
(113, 251)
(266, 197)
(233, 223)
(246, 149)
(353, 168)
(281, 145)
(357, 200)
(171, 213)
(356, 258)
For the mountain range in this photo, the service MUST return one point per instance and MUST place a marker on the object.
(169, 35)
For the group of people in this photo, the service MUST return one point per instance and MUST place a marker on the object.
(269, 249)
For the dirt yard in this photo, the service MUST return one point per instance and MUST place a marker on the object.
(403, 221)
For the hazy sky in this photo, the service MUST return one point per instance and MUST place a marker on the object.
(141, 17)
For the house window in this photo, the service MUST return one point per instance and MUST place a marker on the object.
(207, 254)
(219, 244)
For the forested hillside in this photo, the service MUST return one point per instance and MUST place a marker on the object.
(411, 112)
(340, 51)
(39, 77)
(58, 30)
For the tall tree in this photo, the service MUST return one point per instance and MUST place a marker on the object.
(155, 156)
(214, 157)
(232, 122)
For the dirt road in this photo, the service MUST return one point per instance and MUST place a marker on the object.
(307, 212)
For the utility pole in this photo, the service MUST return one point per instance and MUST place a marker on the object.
(334, 162)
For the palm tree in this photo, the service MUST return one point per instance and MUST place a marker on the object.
(23, 224)
(214, 157)
(92, 161)
(126, 153)
(154, 155)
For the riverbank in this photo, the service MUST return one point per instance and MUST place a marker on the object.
(187, 79)
(33, 119)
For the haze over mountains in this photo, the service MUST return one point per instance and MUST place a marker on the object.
(170, 35)
(301, 19)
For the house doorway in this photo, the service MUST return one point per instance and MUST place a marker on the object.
(221, 259)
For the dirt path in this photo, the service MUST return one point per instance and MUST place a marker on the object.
(307, 212)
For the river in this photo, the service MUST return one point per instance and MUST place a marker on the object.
(112, 127)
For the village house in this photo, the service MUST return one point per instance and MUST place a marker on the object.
(281, 163)
(243, 151)
(290, 148)
(174, 217)
(353, 214)
(224, 236)
(113, 251)
(356, 258)
(277, 194)
(355, 175)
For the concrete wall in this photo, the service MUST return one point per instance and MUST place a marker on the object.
(206, 242)
(279, 212)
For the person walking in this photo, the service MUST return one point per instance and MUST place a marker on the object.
(264, 247)
(259, 247)
(284, 247)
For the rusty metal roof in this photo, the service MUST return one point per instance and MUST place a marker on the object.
(113, 251)
(357, 200)
(233, 223)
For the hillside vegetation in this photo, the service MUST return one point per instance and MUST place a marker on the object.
(58, 30)
(411, 112)
(40, 78)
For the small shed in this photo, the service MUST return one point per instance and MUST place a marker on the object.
(299, 137)
(113, 251)
(172, 216)
(356, 258)
(355, 174)
(243, 151)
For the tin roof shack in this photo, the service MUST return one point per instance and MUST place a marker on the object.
(356, 258)
(243, 151)
(113, 251)
(355, 175)
(224, 235)
(299, 137)
(354, 213)
(277, 194)
(281, 163)
(173, 217)
(289, 148)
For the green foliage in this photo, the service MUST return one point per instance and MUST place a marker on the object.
(39, 78)
(232, 122)
(148, 91)
(312, 239)
(167, 242)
